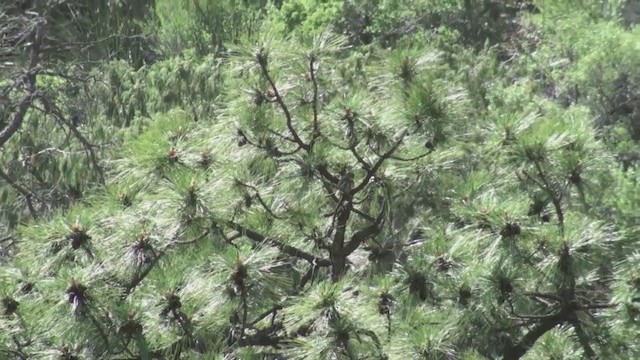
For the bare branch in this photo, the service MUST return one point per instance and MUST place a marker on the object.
(24, 192)
(30, 79)
(58, 115)
(314, 104)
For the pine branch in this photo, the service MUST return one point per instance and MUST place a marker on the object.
(245, 314)
(16, 354)
(287, 249)
(338, 256)
(140, 276)
(262, 316)
(378, 164)
(283, 137)
(262, 338)
(555, 197)
(283, 106)
(136, 280)
(364, 234)
(308, 276)
(340, 216)
(417, 157)
(547, 323)
(365, 165)
(101, 332)
(363, 214)
(598, 306)
(583, 198)
(326, 175)
(259, 198)
(518, 351)
(582, 337)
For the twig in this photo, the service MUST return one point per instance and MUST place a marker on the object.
(260, 200)
(555, 198)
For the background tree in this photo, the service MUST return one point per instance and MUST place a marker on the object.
(420, 195)
(49, 50)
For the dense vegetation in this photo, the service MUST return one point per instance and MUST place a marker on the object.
(320, 179)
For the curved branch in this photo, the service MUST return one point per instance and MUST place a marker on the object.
(364, 234)
(283, 106)
(516, 352)
(326, 175)
(259, 198)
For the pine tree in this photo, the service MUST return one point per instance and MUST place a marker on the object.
(333, 202)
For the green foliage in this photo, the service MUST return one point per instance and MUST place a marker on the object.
(376, 194)
(308, 17)
(204, 26)
(595, 9)
(111, 28)
(51, 166)
(186, 82)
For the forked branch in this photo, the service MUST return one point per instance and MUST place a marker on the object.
(284, 107)
(362, 235)
(371, 173)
